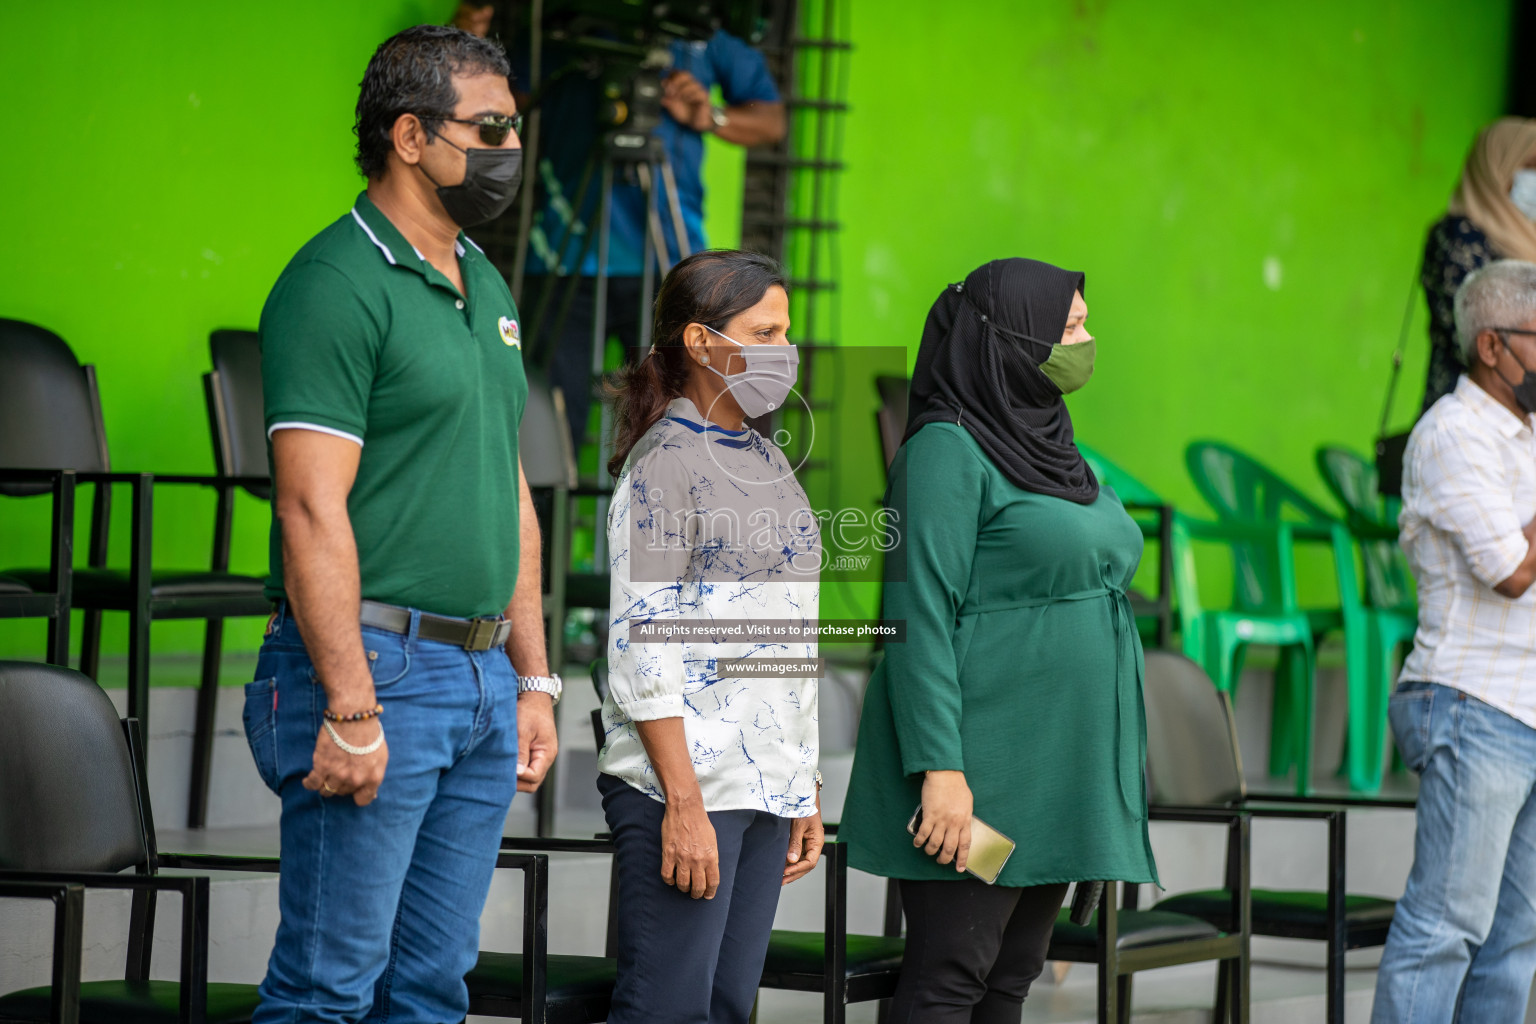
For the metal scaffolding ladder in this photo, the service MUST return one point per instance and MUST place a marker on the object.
(790, 191)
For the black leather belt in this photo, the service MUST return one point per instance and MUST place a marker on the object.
(470, 634)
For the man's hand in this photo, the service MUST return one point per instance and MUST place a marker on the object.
(690, 858)
(338, 773)
(946, 826)
(686, 99)
(537, 743)
(806, 838)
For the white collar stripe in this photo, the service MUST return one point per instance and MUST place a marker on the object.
(373, 237)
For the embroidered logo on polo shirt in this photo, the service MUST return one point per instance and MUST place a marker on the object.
(509, 335)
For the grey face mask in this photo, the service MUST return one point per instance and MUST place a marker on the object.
(767, 380)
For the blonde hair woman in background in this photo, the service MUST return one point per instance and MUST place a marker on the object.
(1492, 216)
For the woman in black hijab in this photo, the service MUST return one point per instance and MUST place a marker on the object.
(1016, 696)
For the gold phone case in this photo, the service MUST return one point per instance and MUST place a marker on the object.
(990, 849)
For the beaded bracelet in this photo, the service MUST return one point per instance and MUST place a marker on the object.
(356, 716)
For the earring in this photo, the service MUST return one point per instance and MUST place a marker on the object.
(704, 360)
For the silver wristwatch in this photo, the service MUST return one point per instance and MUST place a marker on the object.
(541, 684)
(718, 115)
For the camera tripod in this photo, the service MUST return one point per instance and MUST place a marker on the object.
(642, 154)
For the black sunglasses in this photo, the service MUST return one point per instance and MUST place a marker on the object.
(494, 128)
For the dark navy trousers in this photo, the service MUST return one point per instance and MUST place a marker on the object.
(685, 960)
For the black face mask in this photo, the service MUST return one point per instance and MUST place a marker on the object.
(1525, 391)
(491, 178)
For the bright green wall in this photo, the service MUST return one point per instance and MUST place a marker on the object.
(1247, 187)
(165, 160)
(167, 157)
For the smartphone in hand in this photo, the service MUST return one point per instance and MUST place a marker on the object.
(990, 849)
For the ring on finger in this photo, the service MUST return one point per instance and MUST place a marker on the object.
(325, 787)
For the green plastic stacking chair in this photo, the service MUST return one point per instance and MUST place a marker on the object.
(1245, 492)
(1154, 615)
(1390, 607)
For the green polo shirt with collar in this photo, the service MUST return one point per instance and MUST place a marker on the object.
(364, 339)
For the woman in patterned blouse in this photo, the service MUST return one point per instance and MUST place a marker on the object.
(1490, 217)
(709, 767)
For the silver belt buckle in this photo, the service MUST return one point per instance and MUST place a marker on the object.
(482, 634)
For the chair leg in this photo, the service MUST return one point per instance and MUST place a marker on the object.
(1240, 989)
(90, 643)
(1282, 716)
(203, 730)
(1367, 724)
(1223, 992)
(1109, 992)
(1291, 729)
(1123, 983)
(138, 668)
(1335, 980)
(58, 639)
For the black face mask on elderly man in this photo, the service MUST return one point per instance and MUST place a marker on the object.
(491, 178)
(1525, 391)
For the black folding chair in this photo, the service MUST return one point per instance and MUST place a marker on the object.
(1125, 940)
(1193, 760)
(544, 442)
(75, 815)
(844, 968)
(891, 416)
(53, 402)
(20, 600)
(536, 986)
(232, 392)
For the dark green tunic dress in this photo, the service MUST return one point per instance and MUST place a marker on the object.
(1021, 667)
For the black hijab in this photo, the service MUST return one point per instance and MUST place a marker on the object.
(979, 366)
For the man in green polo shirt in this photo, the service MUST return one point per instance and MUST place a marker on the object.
(405, 556)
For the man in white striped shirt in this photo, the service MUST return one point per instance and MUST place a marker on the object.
(1464, 714)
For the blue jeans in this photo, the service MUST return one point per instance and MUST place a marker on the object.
(1463, 942)
(381, 904)
(682, 960)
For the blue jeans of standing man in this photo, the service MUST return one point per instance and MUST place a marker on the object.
(1463, 941)
(381, 904)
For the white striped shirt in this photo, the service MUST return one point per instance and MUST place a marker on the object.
(1469, 486)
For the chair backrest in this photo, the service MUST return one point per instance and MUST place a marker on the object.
(1242, 489)
(890, 434)
(1131, 490)
(70, 794)
(600, 684)
(1351, 479)
(50, 411)
(544, 438)
(1192, 755)
(235, 410)
(893, 396)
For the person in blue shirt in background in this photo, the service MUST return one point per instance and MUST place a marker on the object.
(752, 115)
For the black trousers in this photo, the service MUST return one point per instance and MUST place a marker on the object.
(972, 950)
(563, 350)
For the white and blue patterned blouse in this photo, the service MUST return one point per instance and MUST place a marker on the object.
(710, 525)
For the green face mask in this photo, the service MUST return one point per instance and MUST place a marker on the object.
(1069, 366)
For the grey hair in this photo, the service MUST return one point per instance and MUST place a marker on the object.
(1499, 294)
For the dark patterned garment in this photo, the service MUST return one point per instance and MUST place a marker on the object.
(1455, 248)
